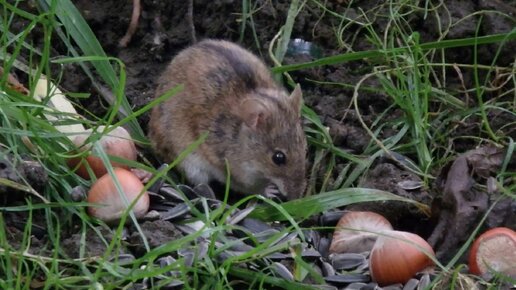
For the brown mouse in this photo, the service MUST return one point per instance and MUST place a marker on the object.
(250, 119)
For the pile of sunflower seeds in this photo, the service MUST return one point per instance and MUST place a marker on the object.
(338, 271)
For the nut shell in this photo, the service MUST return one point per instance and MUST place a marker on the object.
(494, 250)
(397, 256)
(357, 231)
(110, 204)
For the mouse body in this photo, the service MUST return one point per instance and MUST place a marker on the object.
(251, 121)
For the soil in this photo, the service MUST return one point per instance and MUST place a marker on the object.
(163, 30)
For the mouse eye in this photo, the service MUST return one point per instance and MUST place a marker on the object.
(279, 158)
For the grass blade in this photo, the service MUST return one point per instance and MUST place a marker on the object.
(305, 207)
(450, 43)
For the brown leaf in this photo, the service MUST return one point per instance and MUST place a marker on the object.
(485, 161)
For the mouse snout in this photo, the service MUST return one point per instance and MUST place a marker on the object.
(291, 188)
(292, 181)
(296, 189)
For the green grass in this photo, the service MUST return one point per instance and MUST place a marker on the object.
(414, 74)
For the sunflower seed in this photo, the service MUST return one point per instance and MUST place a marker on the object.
(279, 256)
(178, 211)
(371, 286)
(347, 279)
(355, 286)
(152, 215)
(411, 284)
(173, 285)
(139, 286)
(156, 186)
(187, 191)
(188, 256)
(363, 267)
(223, 256)
(191, 228)
(313, 237)
(324, 287)
(255, 225)
(410, 184)
(310, 253)
(286, 238)
(238, 245)
(123, 259)
(202, 248)
(330, 219)
(324, 246)
(155, 196)
(282, 271)
(346, 261)
(265, 235)
(327, 269)
(402, 160)
(170, 193)
(239, 215)
(166, 261)
(203, 190)
(393, 287)
(163, 205)
(257, 229)
(423, 282)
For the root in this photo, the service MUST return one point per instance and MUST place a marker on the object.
(135, 17)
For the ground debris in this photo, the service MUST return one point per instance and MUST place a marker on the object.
(461, 205)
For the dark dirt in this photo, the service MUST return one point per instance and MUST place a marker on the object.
(389, 177)
(158, 233)
(163, 31)
(92, 242)
(15, 234)
(29, 170)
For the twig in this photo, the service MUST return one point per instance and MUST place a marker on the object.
(14, 84)
(190, 20)
(460, 76)
(135, 17)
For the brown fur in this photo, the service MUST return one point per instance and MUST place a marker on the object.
(230, 93)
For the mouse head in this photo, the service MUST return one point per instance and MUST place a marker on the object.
(271, 129)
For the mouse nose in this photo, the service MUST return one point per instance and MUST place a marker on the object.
(296, 189)
(289, 188)
(295, 179)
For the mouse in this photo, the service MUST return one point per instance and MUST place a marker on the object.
(252, 123)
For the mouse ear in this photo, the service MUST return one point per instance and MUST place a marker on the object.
(253, 112)
(296, 97)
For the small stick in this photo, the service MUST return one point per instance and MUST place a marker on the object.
(14, 84)
(191, 22)
(135, 17)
